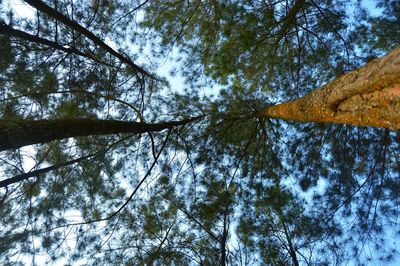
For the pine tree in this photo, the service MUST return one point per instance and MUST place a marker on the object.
(236, 186)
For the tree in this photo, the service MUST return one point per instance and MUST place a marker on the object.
(16, 134)
(349, 99)
(234, 186)
(368, 96)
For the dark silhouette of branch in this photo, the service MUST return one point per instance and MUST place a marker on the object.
(107, 97)
(156, 254)
(143, 179)
(289, 19)
(25, 176)
(10, 31)
(199, 224)
(129, 12)
(41, 6)
(132, 194)
(348, 199)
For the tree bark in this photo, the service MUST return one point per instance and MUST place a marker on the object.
(367, 96)
(16, 134)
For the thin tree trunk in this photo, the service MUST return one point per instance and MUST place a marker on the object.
(367, 96)
(224, 238)
(10, 31)
(16, 134)
(25, 176)
(291, 250)
(38, 172)
(43, 7)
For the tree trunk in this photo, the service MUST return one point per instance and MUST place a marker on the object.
(367, 96)
(43, 7)
(16, 134)
(10, 31)
(292, 251)
(223, 241)
(25, 176)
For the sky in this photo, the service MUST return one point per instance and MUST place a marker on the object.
(176, 83)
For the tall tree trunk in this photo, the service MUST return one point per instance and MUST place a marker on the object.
(367, 96)
(16, 134)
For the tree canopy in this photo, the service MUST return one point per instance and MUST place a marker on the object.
(104, 161)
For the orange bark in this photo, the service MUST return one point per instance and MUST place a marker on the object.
(367, 96)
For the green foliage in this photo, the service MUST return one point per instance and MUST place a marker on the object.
(379, 33)
(252, 42)
(230, 186)
(69, 109)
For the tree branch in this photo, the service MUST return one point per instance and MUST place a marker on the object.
(41, 6)
(10, 31)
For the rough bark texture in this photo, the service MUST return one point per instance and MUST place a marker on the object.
(367, 96)
(16, 134)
